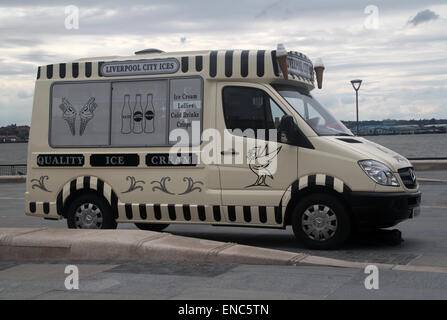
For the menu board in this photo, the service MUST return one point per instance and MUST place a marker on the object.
(186, 108)
(126, 113)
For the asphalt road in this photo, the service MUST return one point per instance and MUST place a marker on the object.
(182, 280)
(425, 237)
(425, 243)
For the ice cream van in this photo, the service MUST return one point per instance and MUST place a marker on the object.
(220, 137)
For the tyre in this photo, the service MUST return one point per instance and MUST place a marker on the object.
(151, 226)
(89, 211)
(321, 221)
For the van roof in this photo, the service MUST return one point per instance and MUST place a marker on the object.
(234, 64)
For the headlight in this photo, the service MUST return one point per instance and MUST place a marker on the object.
(379, 172)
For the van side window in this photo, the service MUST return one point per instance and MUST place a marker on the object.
(250, 108)
(143, 113)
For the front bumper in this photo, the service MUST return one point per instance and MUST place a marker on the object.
(383, 209)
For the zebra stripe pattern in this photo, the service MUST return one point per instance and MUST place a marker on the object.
(243, 63)
(206, 213)
(87, 182)
(200, 213)
(43, 208)
(318, 179)
(221, 64)
(81, 70)
(237, 214)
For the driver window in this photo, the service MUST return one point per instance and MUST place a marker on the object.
(250, 108)
(276, 114)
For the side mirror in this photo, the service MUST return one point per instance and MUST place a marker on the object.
(287, 130)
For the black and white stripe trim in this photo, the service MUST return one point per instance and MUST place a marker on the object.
(266, 215)
(243, 63)
(318, 179)
(42, 208)
(250, 63)
(221, 64)
(237, 214)
(84, 70)
(87, 183)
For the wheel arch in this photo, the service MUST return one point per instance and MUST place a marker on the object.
(84, 185)
(311, 184)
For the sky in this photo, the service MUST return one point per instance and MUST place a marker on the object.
(397, 47)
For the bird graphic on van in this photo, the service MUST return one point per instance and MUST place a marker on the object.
(260, 161)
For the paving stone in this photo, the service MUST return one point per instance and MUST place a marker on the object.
(82, 295)
(170, 268)
(234, 294)
(430, 260)
(33, 271)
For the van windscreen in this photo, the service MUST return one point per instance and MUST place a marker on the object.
(316, 116)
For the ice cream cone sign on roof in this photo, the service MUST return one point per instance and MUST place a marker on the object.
(281, 55)
(319, 68)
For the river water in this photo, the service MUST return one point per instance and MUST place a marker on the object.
(411, 146)
(415, 145)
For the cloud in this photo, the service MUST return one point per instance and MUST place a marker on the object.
(24, 94)
(423, 16)
(14, 42)
(400, 66)
(8, 68)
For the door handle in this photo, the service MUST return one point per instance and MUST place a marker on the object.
(232, 152)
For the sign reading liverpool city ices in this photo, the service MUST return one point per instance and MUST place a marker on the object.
(139, 67)
(299, 66)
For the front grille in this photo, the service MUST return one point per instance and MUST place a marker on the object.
(408, 177)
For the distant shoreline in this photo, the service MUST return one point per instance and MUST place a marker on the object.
(353, 131)
(14, 141)
(398, 134)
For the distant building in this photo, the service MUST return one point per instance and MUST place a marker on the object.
(4, 139)
(388, 122)
(389, 126)
(14, 133)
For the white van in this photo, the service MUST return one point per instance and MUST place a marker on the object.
(123, 139)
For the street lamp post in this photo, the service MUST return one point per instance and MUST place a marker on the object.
(356, 85)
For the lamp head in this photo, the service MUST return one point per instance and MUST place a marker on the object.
(356, 84)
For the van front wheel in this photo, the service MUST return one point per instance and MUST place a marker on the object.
(90, 211)
(321, 221)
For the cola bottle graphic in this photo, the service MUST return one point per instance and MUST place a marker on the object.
(149, 114)
(138, 115)
(126, 116)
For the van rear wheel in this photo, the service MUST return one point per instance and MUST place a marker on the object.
(90, 211)
(321, 221)
(151, 226)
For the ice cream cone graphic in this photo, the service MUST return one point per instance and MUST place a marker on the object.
(86, 114)
(69, 115)
(281, 55)
(319, 69)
